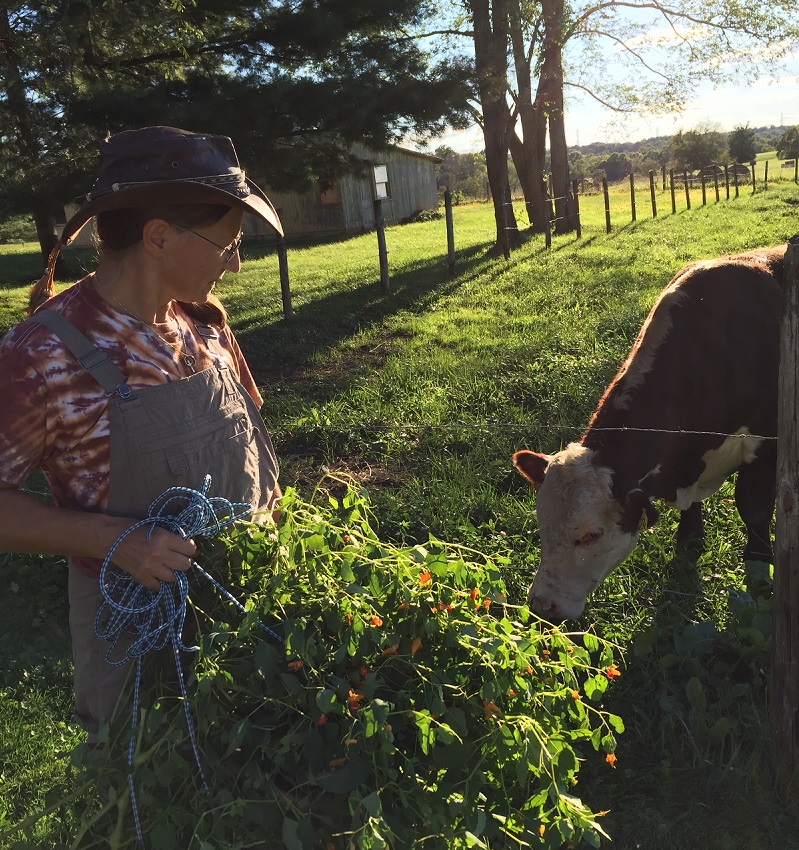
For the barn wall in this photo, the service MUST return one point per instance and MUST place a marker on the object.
(412, 179)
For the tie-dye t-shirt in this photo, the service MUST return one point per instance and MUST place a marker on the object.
(54, 414)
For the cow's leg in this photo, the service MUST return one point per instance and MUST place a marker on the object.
(690, 530)
(755, 492)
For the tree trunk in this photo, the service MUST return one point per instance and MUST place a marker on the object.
(490, 52)
(551, 88)
(527, 153)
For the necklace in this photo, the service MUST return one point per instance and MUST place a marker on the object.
(182, 349)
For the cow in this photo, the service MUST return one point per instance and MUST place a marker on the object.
(695, 400)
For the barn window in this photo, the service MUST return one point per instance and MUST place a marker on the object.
(382, 185)
(329, 192)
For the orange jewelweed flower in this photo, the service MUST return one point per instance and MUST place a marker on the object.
(363, 671)
(350, 741)
(390, 650)
(511, 692)
(491, 709)
(354, 701)
(376, 621)
(487, 604)
(416, 645)
(541, 830)
(348, 619)
(425, 578)
(443, 607)
(612, 672)
(575, 695)
(475, 593)
(296, 665)
(610, 758)
(337, 762)
(321, 720)
(402, 606)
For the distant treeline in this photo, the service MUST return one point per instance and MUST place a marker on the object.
(690, 150)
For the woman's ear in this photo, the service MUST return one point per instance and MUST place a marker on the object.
(155, 236)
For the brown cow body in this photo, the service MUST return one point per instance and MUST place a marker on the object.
(694, 401)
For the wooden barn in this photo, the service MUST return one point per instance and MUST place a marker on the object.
(404, 179)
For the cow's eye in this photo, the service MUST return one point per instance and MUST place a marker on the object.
(590, 537)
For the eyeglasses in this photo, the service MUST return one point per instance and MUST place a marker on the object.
(228, 252)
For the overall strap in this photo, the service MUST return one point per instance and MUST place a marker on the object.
(93, 359)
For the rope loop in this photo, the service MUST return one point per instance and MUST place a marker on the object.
(156, 618)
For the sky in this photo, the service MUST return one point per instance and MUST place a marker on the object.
(768, 102)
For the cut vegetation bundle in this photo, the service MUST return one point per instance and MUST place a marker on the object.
(411, 705)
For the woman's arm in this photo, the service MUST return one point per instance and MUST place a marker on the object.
(31, 526)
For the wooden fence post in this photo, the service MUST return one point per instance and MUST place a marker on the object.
(380, 227)
(450, 232)
(796, 170)
(283, 265)
(687, 190)
(664, 177)
(752, 164)
(716, 181)
(735, 177)
(671, 184)
(632, 194)
(546, 213)
(607, 204)
(575, 185)
(704, 187)
(652, 193)
(785, 652)
(765, 177)
(727, 180)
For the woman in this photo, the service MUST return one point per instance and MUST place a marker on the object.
(130, 381)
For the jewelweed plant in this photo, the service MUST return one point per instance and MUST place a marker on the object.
(410, 705)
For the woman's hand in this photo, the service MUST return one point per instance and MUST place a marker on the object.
(155, 560)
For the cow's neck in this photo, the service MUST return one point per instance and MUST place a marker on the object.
(626, 441)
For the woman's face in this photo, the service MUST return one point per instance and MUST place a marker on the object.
(198, 257)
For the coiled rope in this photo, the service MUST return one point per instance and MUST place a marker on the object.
(157, 618)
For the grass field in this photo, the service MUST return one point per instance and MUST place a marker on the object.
(423, 395)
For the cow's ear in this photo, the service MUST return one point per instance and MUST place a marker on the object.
(636, 505)
(532, 466)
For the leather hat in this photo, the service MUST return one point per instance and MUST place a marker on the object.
(165, 165)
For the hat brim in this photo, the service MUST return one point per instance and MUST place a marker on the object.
(172, 193)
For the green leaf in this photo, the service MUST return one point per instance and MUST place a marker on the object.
(372, 804)
(289, 834)
(346, 778)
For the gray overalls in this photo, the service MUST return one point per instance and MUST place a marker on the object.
(162, 436)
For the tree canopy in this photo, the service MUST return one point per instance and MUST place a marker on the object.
(293, 83)
(788, 143)
(742, 144)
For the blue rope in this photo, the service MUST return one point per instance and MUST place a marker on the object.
(157, 618)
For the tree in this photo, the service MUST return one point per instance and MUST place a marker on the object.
(490, 20)
(293, 82)
(697, 148)
(742, 144)
(663, 51)
(788, 144)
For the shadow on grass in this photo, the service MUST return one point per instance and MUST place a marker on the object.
(277, 349)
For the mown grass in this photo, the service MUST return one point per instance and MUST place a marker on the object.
(423, 395)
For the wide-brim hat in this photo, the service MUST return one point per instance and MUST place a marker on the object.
(153, 166)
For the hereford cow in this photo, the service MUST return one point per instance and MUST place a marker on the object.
(695, 400)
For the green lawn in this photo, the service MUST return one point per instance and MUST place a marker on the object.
(422, 395)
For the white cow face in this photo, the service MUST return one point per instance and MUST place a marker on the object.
(585, 532)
